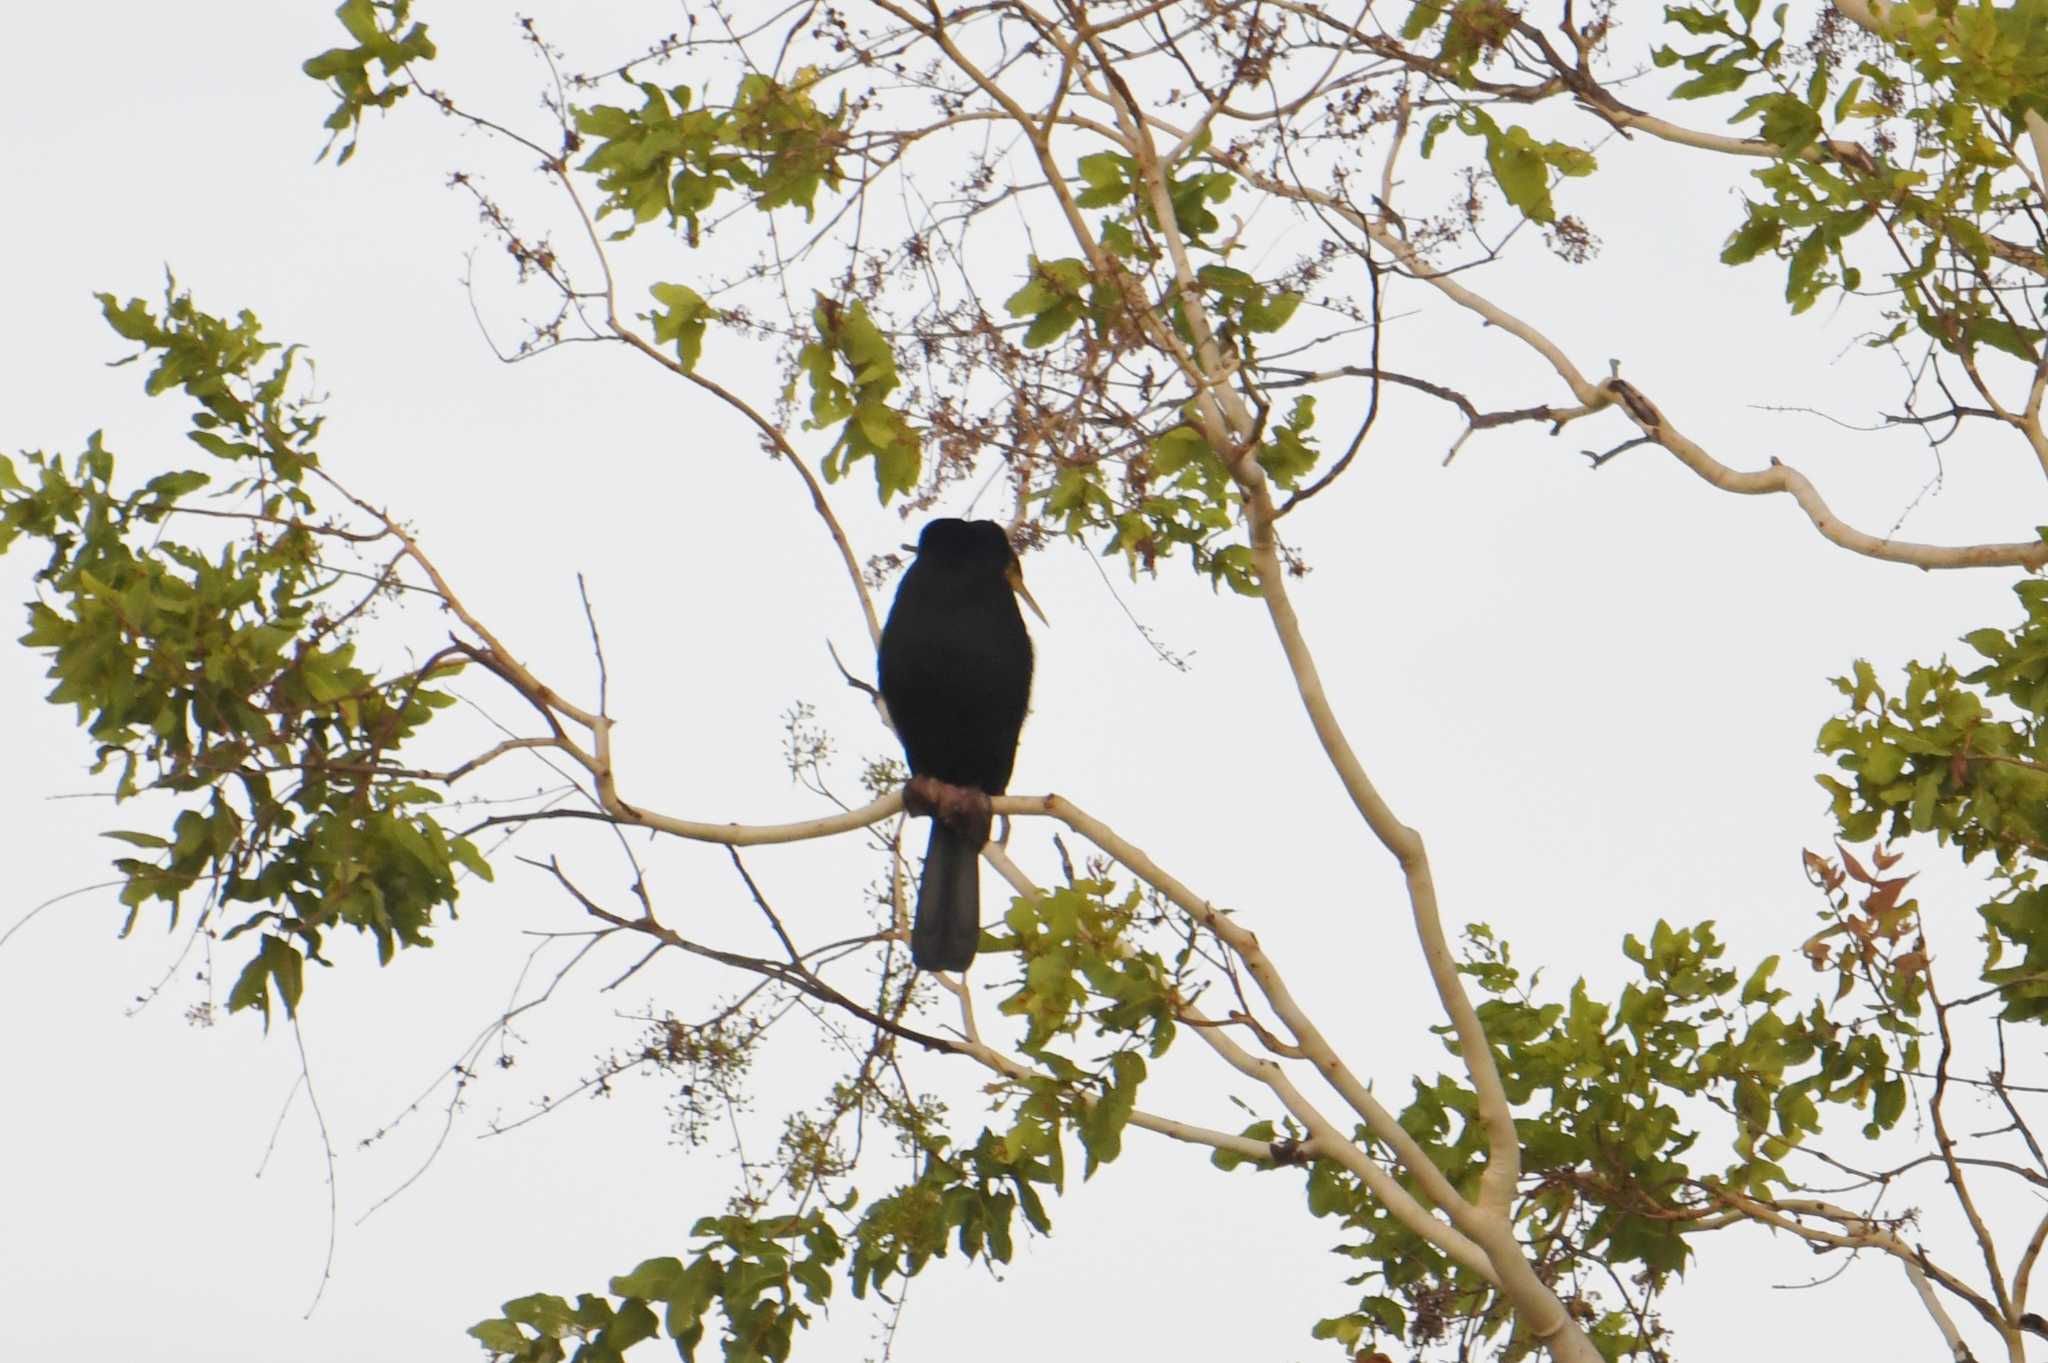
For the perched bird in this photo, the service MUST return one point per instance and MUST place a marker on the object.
(955, 672)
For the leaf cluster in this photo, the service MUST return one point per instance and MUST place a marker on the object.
(673, 158)
(763, 1274)
(384, 45)
(1522, 165)
(1938, 110)
(870, 428)
(1963, 756)
(1609, 1097)
(1077, 968)
(227, 678)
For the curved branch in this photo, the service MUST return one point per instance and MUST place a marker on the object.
(1860, 1232)
(1324, 1138)
(1781, 477)
(1379, 1122)
(780, 443)
(1777, 478)
(1504, 1162)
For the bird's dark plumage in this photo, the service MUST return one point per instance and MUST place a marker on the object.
(955, 670)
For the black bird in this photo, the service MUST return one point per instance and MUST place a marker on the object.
(955, 669)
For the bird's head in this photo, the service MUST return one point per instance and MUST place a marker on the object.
(973, 546)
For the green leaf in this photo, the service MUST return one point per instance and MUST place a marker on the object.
(499, 1336)
(1109, 178)
(1992, 643)
(465, 852)
(549, 1315)
(2017, 341)
(1050, 325)
(1788, 122)
(277, 967)
(1716, 78)
(681, 321)
(1270, 313)
(1761, 231)
(654, 1280)
(1757, 988)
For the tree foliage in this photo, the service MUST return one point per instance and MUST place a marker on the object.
(1145, 384)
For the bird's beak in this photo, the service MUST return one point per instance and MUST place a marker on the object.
(1015, 574)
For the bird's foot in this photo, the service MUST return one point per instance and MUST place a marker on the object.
(921, 795)
(963, 809)
(966, 811)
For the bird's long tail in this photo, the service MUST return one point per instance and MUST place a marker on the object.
(947, 926)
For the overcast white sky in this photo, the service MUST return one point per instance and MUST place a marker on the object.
(1595, 694)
